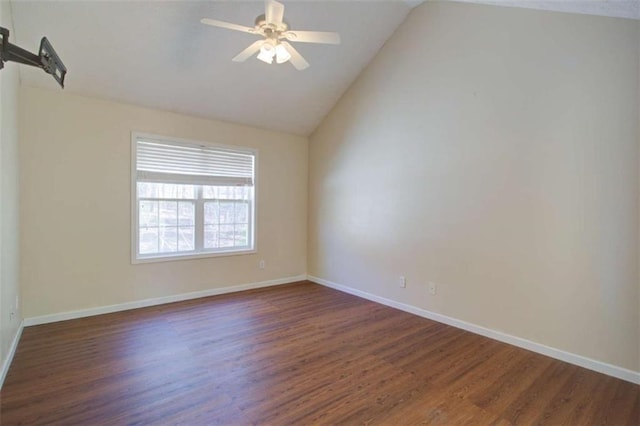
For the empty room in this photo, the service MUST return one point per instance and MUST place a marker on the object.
(297, 212)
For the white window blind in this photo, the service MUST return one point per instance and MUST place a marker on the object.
(170, 162)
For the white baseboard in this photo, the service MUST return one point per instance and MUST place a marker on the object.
(12, 351)
(63, 316)
(591, 364)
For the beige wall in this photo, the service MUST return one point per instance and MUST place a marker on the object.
(9, 257)
(75, 205)
(493, 151)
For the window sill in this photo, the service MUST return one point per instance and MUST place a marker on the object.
(190, 256)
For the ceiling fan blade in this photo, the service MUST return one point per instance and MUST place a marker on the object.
(313, 37)
(249, 51)
(228, 25)
(274, 12)
(296, 58)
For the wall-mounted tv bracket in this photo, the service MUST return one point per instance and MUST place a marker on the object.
(47, 58)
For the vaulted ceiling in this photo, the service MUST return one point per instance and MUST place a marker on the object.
(158, 54)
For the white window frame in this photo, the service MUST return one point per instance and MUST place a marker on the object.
(163, 257)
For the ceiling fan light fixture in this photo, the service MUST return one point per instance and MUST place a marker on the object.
(282, 54)
(265, 57)
(267, 52)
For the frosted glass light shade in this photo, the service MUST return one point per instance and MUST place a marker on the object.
(267, 52)
(265, 57)
(282, 54)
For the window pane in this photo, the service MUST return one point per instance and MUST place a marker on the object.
(242, 212)
(172, 190)
(241, 192)
(168, 213)
(168, 239)
(226, 211)
(241, 235)
(211, 211)
(226, 192)
(186, 213)
(227, 238)
(166, 190)
(148, 190)
(223, 192)
(148, 211)
(148, 240)
(186, 238)
(209, 192)
(211, 236)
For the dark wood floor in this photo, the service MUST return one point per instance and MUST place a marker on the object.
(294, 354)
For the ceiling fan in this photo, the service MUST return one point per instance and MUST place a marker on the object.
(276, 36)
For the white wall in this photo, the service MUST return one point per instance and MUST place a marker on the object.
(9, 220)
(493, 151)
(75, 205)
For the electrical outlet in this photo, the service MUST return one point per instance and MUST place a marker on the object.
(262, 264)
(433, 288)
(403, 282)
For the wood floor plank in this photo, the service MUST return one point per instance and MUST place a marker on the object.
(525, 408)
(511, 384)
(293, 354)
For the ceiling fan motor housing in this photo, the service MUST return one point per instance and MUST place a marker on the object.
(269, 28)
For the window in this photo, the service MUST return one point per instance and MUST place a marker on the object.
(191, 199)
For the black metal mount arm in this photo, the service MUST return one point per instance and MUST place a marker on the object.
(47, 58)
